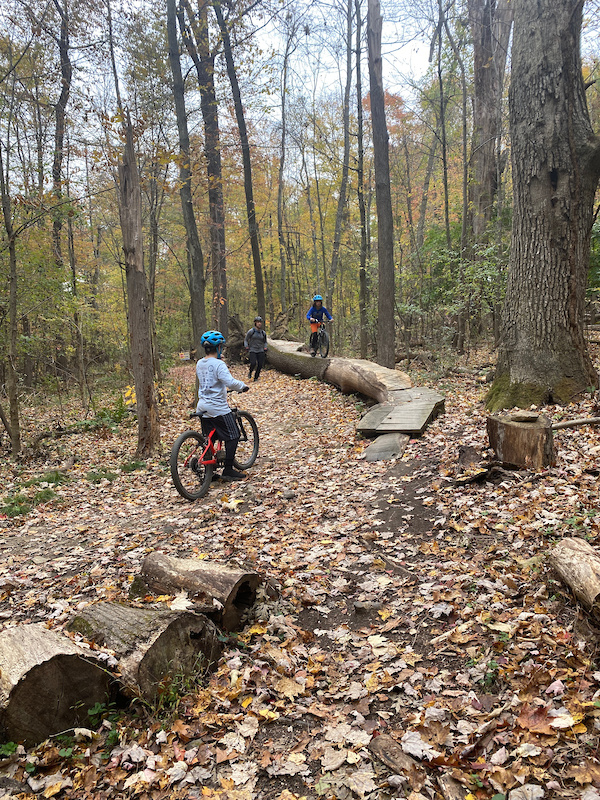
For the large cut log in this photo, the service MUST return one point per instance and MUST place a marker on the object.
(523, 439)
(151, 644)
(47, 684)
(577, 564)
(287, 357)
(351, 375)
(356, 375)
(223, 592)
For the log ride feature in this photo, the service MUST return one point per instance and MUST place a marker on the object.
(577, 564)
(522, 439)
(152, 645)
(218, 591)
(47, 684)
(401, 408)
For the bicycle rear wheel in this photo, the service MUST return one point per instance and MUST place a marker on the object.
(324, 343)
(191, 478)
(247, 448)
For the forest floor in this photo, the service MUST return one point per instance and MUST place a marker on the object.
(410, 604)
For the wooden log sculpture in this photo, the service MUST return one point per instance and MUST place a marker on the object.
(522, 439)
(47, 684)
(151, 644)
(221, 592)
(577, 564)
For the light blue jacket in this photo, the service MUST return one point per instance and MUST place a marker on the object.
(214, 379)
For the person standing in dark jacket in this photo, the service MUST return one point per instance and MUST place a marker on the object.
(255, 343)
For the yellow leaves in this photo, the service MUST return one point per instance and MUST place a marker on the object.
(268, 715)
(288, 688)
(372, 683)
(257, 628)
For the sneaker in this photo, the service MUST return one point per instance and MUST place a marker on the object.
(249, 373)
(215, 476)
(256, 377)
(231, 474)
(312, 353)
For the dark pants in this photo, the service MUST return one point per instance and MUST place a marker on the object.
(227, 430)
(257, 362)
(314, 340)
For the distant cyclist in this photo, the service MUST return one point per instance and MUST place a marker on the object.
(214, 379)
(315, 316)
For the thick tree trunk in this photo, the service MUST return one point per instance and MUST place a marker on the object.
(47, 684)
(556, 164)
(490, 22)
(385, 222)
(206, 582)
(204, 62)
(152, 645)
(130, 212)
(194, 248)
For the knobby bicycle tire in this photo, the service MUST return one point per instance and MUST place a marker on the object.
(324, 344)
(191, 478)
(247, 449)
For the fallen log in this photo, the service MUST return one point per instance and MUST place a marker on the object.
(151, 644)
(288, 358)
(574, 423)
(47, 684)
(351, 375)
(577, 564)
(223, 593)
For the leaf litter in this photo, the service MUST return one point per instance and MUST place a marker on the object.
(396, 603)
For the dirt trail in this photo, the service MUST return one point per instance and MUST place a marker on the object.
(393, 614)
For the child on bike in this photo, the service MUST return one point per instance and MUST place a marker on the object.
(315, 316)
(214, 379)
(255, 343)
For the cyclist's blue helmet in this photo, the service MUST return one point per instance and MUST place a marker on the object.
(317, 297)
(212, 337)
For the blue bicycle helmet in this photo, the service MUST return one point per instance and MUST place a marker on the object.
(317, 297)
(212, 337)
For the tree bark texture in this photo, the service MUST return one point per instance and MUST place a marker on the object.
(556, 165)
(383, 197)
(194, 248)
(490, 22)
(204, 62)
(66, 73)
(233, 589)
(153, 645)
(130, 213)
(520, 442)
(47, 684)
(577, 564)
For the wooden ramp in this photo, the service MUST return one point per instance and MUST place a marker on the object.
(401, 407)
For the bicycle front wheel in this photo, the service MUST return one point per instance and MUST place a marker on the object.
(191, 478)
(324, 344)
(247, 448)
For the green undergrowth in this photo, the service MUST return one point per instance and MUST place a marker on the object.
(22, 500)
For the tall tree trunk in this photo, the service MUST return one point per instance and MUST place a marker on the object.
(194, 248)
(341, 205)
(556, 167)
(203, 60)
(280, 180)
(490, 22)
(78, 333)
(241, 121)
(383, 197)
(130, 214)
(66, 72)
(360, 180)
(11, 369)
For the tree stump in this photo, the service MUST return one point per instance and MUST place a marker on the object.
(222, 593)
(47, 684)
(151, 644)
(523, 439)
(577, 564)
